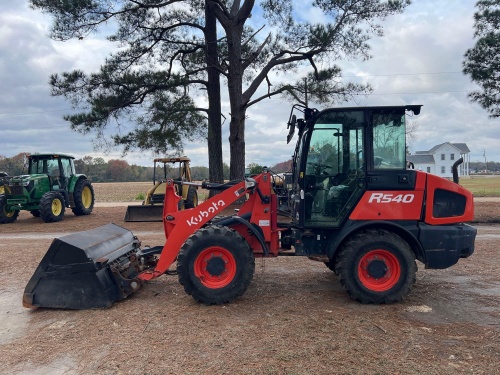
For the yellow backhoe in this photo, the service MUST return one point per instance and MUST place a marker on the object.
(152, 206)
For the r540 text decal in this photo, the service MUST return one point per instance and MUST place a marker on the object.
(391, 198)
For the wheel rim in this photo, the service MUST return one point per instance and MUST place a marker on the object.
(86, 197)
(379, 270)
(8, 213)
(215, 267)
(56, 207)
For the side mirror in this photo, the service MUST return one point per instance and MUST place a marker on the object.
(291, 126)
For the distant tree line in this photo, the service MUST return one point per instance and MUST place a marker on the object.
(479, 166)
(117, 170)
(99, 170)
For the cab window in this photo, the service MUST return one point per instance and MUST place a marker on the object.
(67, 167)
(53, 167)
(389, 141)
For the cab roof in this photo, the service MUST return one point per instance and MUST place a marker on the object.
(50, 156)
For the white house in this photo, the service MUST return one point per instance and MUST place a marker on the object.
(439, 160)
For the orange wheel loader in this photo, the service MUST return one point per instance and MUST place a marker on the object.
(351, 204)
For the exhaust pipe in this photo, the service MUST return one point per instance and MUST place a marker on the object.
(454, 169)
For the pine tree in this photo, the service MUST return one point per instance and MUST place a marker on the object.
(482, 62)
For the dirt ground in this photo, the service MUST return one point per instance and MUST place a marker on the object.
(294, 318)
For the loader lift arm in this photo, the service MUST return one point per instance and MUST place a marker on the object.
(179, 225)
(95, 268)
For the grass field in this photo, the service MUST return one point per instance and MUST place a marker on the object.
(482, 186)
(119, 191)
(127, 191)
(131, 191)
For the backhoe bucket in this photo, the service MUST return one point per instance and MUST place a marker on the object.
(85, 270)
(144, 213)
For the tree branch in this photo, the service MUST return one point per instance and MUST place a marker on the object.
(275, 61)
(220, 11)
(256, 54)
(245, 10)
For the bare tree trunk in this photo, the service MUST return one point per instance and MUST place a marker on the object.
(237, 140)
(238, 110)
(215, 166)
(233, 21)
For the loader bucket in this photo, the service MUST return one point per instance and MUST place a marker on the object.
(144, 213)
(82, 270)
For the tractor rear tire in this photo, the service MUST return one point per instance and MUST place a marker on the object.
(181, 205)
(215, 265)
(6, 216)
(376, 266)
(84, 198)
(35, 213)
(331, 266)
(52, 207)
(192, 198)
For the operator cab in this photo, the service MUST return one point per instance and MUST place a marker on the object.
(342, 152)
(59, 168)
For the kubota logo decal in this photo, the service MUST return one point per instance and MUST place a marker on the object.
(390, 198)
(195, 220)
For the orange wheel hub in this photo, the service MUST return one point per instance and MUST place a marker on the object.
(215, 267)
(379, 270)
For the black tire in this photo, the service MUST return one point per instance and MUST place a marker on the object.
(6, 216)
(215, 265)
(2, 187)
(83, 196)
(331, 266)
(52, 207)
(192, 198)
(376, 266)
(35, 213)
(181, 205)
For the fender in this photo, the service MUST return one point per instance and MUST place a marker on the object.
(408, 230)
(244, 220)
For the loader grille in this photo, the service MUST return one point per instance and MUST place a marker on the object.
(448, 204)
(16, 190)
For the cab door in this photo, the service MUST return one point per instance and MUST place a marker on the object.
(332, 169)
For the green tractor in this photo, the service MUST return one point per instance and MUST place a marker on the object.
(50, 186)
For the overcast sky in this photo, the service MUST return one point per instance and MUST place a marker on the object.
(418, 61)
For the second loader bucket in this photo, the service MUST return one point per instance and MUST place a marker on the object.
(84, 270)
(144, 213)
